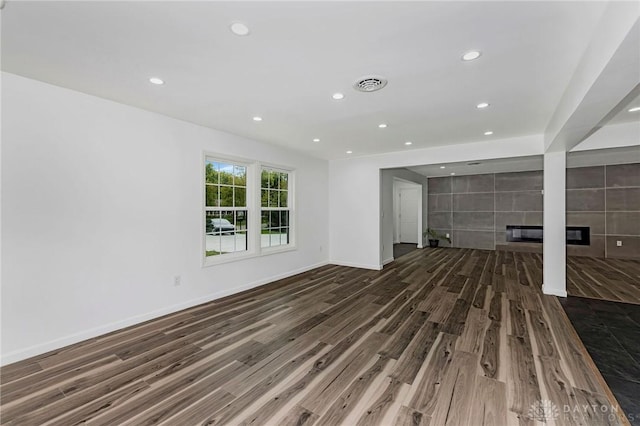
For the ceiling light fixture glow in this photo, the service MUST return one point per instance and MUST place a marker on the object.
(349, 152)
(382, 126)
(316, 140)
(452, 174)
(239, 29)
(635, 109)
(470, 56)
(337, 96)
(408, 143)
(256, 118)
(482, 105)
(156, 80)
(442, 167)
(489, 133)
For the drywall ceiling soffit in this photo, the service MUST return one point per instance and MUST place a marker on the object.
(289, 66)
(622, 134)
(607, 77)
(595, 157)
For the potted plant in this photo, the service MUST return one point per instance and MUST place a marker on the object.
(435, 237)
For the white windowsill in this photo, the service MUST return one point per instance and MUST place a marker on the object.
(234, 257)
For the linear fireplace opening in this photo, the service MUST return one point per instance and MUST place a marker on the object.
(576, 235)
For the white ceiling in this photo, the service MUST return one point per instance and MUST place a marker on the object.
(299, 53)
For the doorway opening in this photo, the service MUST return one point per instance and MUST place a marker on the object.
(407, 216)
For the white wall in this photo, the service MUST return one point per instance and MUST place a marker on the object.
(387, 203)
(102, 207)
(355, 192)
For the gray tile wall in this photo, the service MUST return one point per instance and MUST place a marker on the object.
(476, 209)
(464, 208)
(607, 199)
(622, 205)
(518, 202)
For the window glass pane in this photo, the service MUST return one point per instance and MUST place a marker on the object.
(211, 172)
(241, 220)
(275, 219)
(212, 240)
(228, 216)
(283, 198)
(240, 176)
(240, 197)
(284, 236)
(264, 198)
(264, 179)
(284, 218)
(241, 241)
(211, 195)
(274, 198)
(226, 174)
(284, 181)
(226, 196)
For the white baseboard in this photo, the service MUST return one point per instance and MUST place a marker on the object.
(137, 319)
(554, 291)
(356, 265)
(389, 260)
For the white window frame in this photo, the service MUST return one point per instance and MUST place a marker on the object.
(254, 170)
(291, 200)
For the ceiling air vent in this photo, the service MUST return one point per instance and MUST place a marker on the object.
(473, 163)
(370, 83)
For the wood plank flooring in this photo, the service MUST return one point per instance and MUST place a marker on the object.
(617, 280)
(439, 337)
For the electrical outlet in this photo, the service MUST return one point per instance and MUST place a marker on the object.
(177, 280)
(619, 243)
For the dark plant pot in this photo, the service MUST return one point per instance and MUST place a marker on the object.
(433, 243)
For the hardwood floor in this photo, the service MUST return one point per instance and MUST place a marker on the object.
(617, 280)
(439, 337)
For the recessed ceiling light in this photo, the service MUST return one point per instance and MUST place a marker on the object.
(452, 173)
(337, 96)
(382, 126)
(256, 118)
(635, 109)
(470, 56)
(482, 105)
(240, 29)
(442, 167)
(316, 140)
(408, 143)
(349, 152)
(156, 80)
(489, 133)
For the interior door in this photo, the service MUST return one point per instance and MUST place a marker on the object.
(408, 215)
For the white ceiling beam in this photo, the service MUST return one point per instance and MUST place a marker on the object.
(607, 73)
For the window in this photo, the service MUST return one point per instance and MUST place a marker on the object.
(274, 203)
(226, 215)
(247, 209)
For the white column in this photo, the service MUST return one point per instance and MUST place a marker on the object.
(554, 276)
